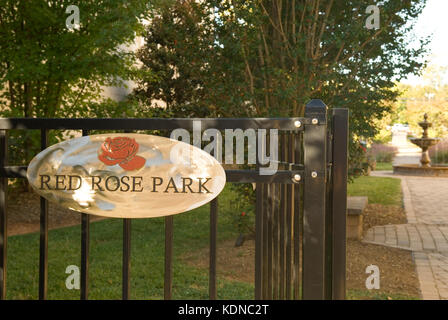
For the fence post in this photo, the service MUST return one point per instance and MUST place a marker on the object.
(338, 203)
(315, 162)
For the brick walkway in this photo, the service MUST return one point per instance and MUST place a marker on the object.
(426, 234)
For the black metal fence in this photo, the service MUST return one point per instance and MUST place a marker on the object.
(300, 227)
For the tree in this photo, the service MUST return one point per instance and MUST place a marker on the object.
(268, 58)
(44, 65)
(48, 70)
(188, 66)
(429, 96)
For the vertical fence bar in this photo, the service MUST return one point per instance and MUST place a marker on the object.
(126, 284)
(339, 201)
(259, 241)
(276, 241)
(267, 261)
(85, 246)
(289, 225)
(265, 214)
(265, 241)
(213, 250)
(43, 245)
(282, 221)
(126, 273)
(85, 249)
(168, 282)
(269, 236)
(3, 215)
(314, 201)
(297, 221)
(259, 229)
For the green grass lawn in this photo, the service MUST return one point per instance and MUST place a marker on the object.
(383, 166)
(191, 232)
(386, 191)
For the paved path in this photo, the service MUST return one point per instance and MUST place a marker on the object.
(426, 233)
(407, 154)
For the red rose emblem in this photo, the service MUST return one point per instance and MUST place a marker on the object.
(121, 151)
(363, 148)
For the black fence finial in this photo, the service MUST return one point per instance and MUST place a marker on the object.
(317, 109)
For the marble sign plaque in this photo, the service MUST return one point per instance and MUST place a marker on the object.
(126, 175)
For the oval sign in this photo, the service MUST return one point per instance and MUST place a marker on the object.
(126, 175)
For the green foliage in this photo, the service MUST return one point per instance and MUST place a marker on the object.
(381, 152)
(222, 49)
(439, 152)
(243, 208)
(187, 67)
(383, 136)
(429, 96)
(268, 58)
(47, 70)
(205, 58)
(385, 157)
(44, 65)
(440, 158)
(357, 159)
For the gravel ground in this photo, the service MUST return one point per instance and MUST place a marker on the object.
(397, 269)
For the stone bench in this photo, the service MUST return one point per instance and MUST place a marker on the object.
(355, 210)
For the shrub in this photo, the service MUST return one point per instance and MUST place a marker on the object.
(381, 152)
(243, 209)
(439, 152)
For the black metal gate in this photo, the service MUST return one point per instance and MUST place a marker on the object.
(300, 245)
